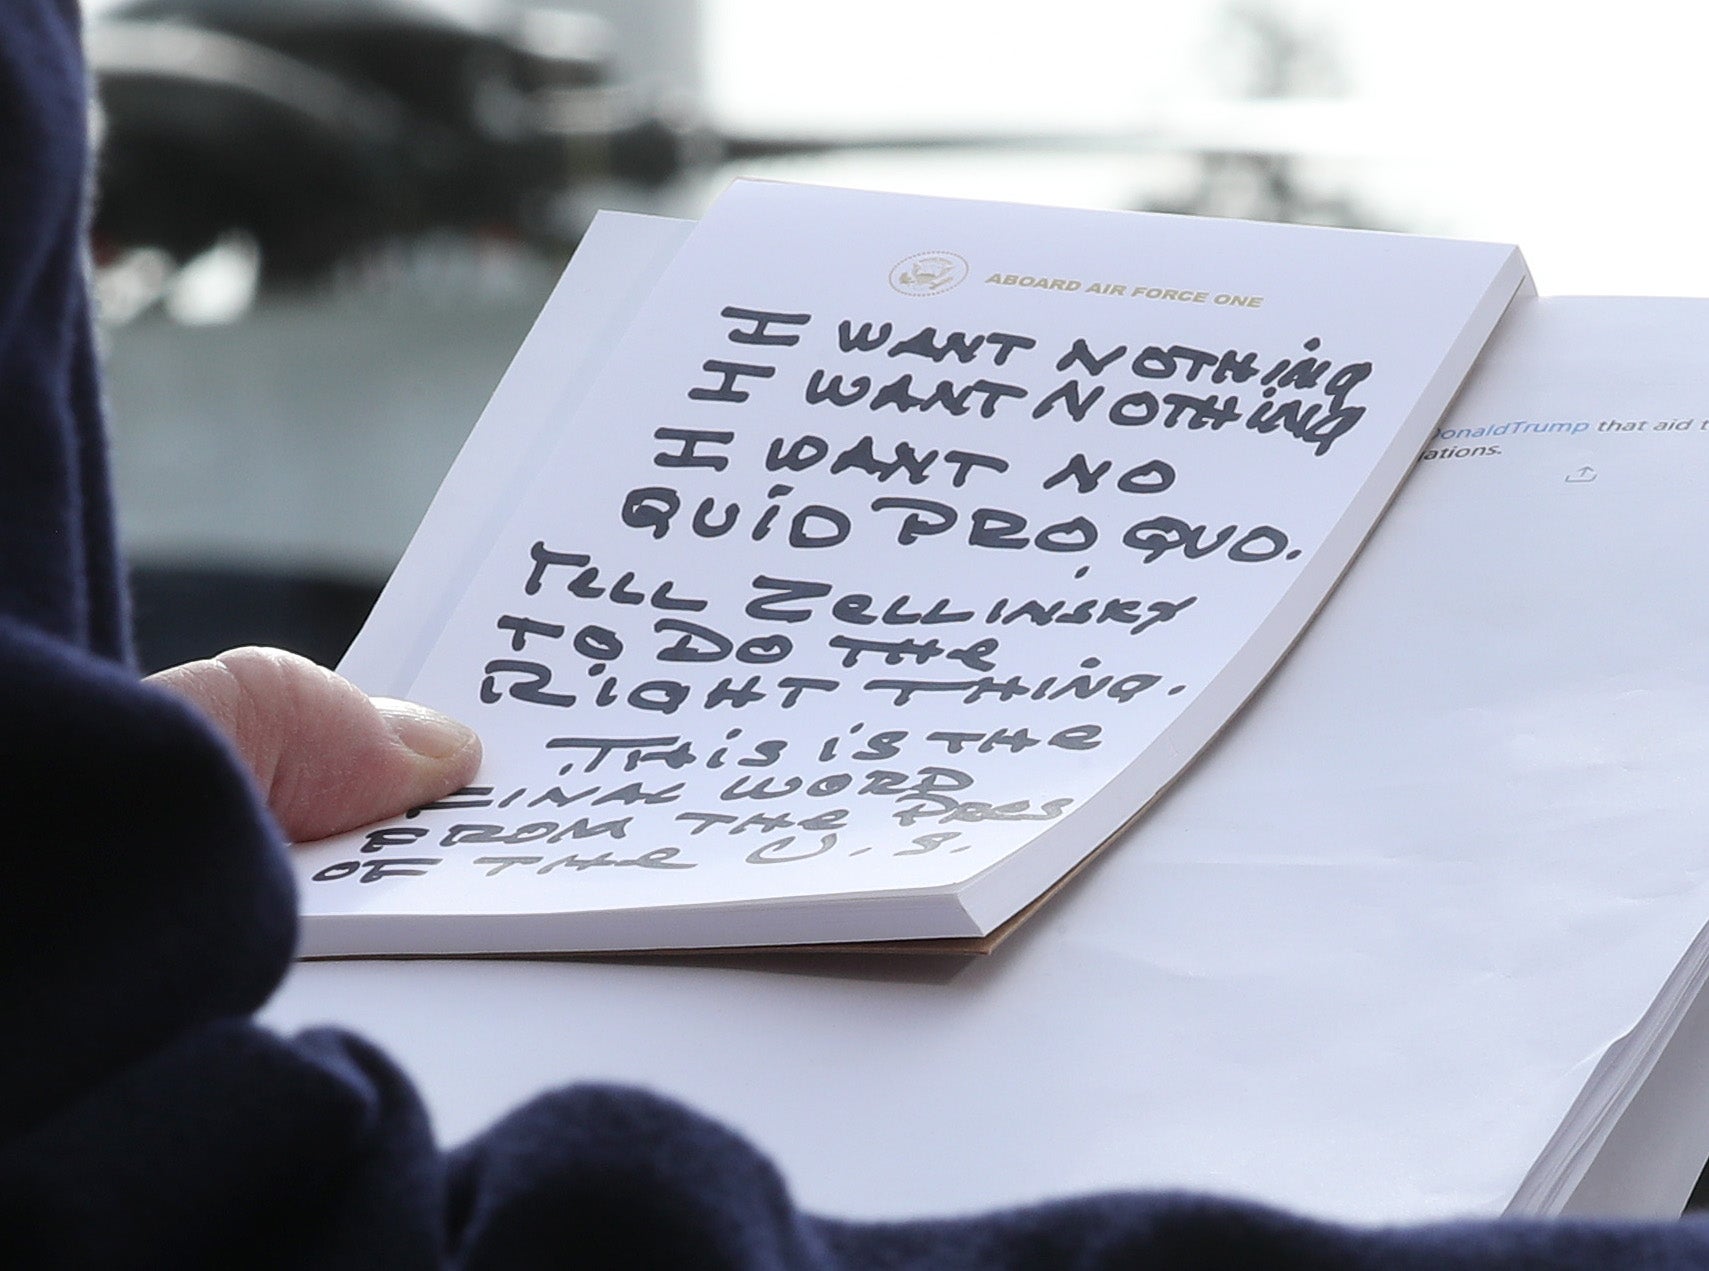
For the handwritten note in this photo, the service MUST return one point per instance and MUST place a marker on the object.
(867, 562)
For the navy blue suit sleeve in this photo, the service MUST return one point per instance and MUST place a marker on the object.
(59, 571)
(143, 891)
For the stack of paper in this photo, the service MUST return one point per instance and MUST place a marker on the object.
(891, 559)
(1410, 941)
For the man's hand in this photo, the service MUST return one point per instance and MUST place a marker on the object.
(326, 756)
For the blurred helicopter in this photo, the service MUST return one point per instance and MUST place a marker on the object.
(317, 128)
(321, 126)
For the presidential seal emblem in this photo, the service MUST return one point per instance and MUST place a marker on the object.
(928, 273)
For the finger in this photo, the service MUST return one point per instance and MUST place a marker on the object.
(326, 756)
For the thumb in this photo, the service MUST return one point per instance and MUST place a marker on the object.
(327, 757)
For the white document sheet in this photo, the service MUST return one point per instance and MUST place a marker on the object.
(1375, 958)
(872, 584)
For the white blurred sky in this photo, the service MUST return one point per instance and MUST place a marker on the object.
(1572, 130)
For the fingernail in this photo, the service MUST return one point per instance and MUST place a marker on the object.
(426, 732)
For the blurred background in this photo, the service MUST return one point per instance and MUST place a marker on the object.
(325, 225)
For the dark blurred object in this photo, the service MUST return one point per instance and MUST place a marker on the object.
(184, 613)
(311, 129)
(319, 126)
(1698, 1201)
(315, 128)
